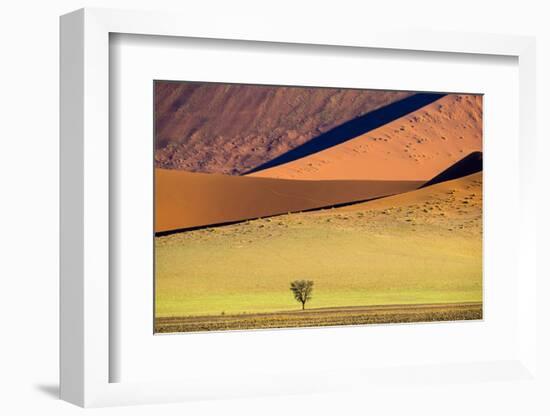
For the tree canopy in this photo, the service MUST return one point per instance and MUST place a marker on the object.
(302, 289)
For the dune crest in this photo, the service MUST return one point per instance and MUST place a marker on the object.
(417, 146)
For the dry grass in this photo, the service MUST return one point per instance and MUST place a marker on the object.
(323, 317)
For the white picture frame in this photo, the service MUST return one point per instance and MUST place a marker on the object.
(86, 355)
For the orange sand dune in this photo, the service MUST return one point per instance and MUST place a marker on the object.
(231, 128)
(186, 200)
(451, 198)
(414, 147)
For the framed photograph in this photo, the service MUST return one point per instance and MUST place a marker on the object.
(232, 202)
(363, 205)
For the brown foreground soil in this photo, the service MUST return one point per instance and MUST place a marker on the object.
(362, 315)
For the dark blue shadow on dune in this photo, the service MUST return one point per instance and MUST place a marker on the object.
(354, 128)
(468, 165)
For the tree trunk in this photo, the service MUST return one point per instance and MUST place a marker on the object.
(303, 305)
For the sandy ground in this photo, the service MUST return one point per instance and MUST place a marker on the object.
(460, 199)
(414, 147)
(185, 200)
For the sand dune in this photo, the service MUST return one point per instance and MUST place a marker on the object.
(472, 163)
(414, 147)
(354, 128)
(436, 204)
(186, 200)
(232, 128)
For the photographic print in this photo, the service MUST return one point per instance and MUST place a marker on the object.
(286, 207)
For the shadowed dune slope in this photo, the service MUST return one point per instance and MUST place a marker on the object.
(417, 146)
(231, 128)
(470, 164)
(186, 200)
(354, 128)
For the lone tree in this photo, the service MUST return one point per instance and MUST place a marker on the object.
(301, 289)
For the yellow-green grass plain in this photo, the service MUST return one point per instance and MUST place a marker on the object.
(421, 247)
